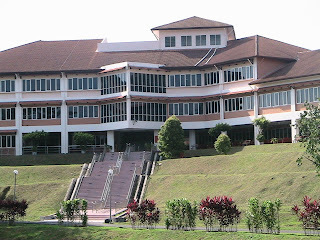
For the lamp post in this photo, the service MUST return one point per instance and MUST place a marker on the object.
(110, 172)
(15, 183)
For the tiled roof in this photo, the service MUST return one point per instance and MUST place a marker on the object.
(307, 64)
(192, 23)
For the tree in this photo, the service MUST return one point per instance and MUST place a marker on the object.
(309, 131)
(223, 144)
(220, 127)
(36, 138)
(83, 139)
(263, 124)
(171, 138)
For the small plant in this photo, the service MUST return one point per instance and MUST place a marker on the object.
(260, 137)
(223, 144)
(83, 139)
(218, 129)
(72, 209)
(10, 210)
(274, 140)
(35, 138)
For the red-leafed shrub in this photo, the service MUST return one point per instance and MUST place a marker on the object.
(146, 213)
(12, 209)
(219, 211)
(310, 215)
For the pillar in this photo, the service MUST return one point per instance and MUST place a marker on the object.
(221, 108)
(294, 130)
(192, 140)
(64, 114)
(293, 100)
(19, 132)
(256, 104)
(256, 132)
(110, 139)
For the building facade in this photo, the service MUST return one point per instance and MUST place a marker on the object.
(123, 92)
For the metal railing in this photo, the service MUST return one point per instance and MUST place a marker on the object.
(106, 188)
(131, 185)
(90, 148)
(41, 149)
(91, 165)
(77, 188)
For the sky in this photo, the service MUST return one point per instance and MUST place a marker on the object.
(24, 21)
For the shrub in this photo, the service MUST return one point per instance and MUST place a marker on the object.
(181, 214)
(310, 215)
(10, 210)
(220, 127)
(220, 211)
(260, 137)
(71, 209)
(145, 213)
(274, 140)
(35, 138)
(83, 139)
(171, 138)
(263, 124)
(223, 144)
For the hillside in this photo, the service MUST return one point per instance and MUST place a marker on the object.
(266, 172)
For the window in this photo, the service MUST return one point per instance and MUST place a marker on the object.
(83, 111)
(41, 113)
(7, 141)
(83, 83)
(211, 78)
(186, 41)
(186, 109)
(308, 95)
(275, 99)
(184, 80)
(201, 40)
(7, 114)
(7, 86)
(32, 85)
(141, 82)
(146, 111)
(238, 73)
(239, 104)
(170, 41)
(213, 107)
(113, 84)
(114, 112)
(215, 39)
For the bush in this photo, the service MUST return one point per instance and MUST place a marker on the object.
(260, 137)
(35, 138)
(223, 144)
(181, 214)
(219, 210)
(10, 210)
(220, 127)
(263, 124)
(171, 138)
(83, 139)
(310, 215)
(71, 209)
(145, 213)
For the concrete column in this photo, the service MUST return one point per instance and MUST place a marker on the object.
(64, 114)
(256, 131)
(192, 140)
(293, 100)
(221, 108)
(256, 105)
(18, 127)
(110, 139)
(294, 130)
(129, 112)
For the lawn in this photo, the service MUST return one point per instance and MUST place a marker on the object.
(48, 232)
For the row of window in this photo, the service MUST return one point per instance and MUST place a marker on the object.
(83, 111)
(83, 83)
(213, 107)
(7, 86)
(238, 73)
(211, 78)
(184, 80)
(154, 112)
(141, 82)
(308, 95)
(239, 104)
(113, 84)
(114, 112)
(41, 113)
(201, 40)
(7, 114)
(32, 85)
(275, 99)
(185, 109)
(8, 141)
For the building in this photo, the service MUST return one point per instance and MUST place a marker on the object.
(123, 92)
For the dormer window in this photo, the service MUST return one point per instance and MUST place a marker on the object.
(170, 41)
(201, 40)
(215, 39)
(186, 41)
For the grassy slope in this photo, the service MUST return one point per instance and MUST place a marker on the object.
(266, 172)
(42, 186)
(39, 232)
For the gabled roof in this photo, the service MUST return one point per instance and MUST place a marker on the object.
(192, 23)
(307, 64)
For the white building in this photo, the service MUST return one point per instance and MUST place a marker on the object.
(123, 92)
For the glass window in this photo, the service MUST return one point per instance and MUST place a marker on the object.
(201, 40)
(170, 41)
(186, 41)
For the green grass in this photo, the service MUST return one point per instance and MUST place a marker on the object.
(48, 159)
(48, 232)
(44, 187)
(266, 172)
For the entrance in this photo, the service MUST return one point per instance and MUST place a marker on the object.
(140, 140)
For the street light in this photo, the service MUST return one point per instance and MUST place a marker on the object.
(110, 173)
(15, 183)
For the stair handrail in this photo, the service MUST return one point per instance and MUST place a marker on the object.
(93, 161)
(77, 188)
(127, 152)
(119, 162)
(107, 187)
(131, 184)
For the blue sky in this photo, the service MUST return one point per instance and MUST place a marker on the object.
(294, 22)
